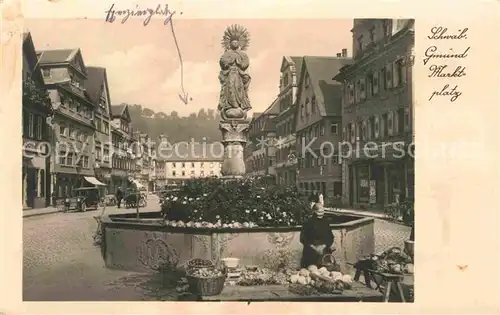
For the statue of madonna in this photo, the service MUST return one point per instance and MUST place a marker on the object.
(233, 101)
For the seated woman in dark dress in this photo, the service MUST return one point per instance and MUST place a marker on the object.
(317, 238)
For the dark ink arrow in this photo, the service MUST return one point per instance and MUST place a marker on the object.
(183, 95)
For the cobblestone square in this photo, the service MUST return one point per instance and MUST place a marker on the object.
(60, 262)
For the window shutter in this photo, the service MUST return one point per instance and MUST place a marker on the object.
(395, 123)
(369, 129)
(364, 135)
(390, 123)
(407, 121)
(388, 76)
(356, 91)
(404, 70)
(395, 73)
(376, 127)
(375, 82)
(362, 87)
(353, 133)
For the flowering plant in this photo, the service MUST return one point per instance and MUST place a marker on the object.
(247, 202)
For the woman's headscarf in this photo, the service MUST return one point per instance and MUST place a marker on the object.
(318, 210)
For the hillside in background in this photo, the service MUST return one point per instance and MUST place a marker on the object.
(205, 123)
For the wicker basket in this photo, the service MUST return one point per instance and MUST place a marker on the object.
(330, 263)
(206, 286)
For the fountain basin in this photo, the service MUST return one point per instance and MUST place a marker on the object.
(145, 244)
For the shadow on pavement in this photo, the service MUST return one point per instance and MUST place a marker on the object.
(152, 286)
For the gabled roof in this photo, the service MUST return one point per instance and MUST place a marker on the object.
(95, 82)
(61, 56)
(267, 116)
(32, 59)
(298, 64)
(56, 55)
(328, 92)
(120, 111)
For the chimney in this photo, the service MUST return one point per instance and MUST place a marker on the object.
(344, 52)
(339, 55)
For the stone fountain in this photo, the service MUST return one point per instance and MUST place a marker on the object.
(145, 244)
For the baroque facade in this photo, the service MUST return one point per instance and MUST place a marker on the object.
(286, 157)
(72, 162)
(318, 126)
(260, 152)
(37, 110)
(377, 109)
(184, 161)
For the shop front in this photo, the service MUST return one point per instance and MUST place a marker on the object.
(35, 182)
(376, 184)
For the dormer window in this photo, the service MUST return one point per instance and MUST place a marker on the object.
(46, 73)
(372, 34)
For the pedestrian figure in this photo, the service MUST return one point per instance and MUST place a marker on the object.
(316, 237)
(119, 196)
(313, 199)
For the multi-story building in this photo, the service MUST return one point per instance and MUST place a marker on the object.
(262, 135)
(144, 162)
(123, 158)
(193, 160)
(286, 160)
(72, 161)
(318, 125)
(160, 174)
(98, 91)
(36, 108)
(377, 107)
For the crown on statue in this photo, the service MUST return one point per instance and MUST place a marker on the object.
(236, 32)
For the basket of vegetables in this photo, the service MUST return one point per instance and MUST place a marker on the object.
(206, 281)
(198, 263)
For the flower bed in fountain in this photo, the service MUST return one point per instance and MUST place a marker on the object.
(251, 202)
(255, 221)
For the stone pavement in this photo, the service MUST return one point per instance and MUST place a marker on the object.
(62, 264)
(40, 211)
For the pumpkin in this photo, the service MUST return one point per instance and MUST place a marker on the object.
(303, 272)
(294, 278)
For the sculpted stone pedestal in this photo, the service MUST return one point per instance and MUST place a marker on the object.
(234, 138)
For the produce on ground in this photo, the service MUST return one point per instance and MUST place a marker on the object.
(261, 276)
(393, 260)
(323, 280)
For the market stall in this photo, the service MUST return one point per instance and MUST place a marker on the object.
(232, 282)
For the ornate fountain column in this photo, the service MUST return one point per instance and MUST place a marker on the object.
(233, 101)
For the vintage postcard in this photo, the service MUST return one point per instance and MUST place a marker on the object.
(305, 151)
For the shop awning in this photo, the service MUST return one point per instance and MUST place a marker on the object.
(94, 181)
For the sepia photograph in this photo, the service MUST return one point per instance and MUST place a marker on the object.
(177, 159)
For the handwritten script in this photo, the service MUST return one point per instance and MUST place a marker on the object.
(148, 14)
(436, 58)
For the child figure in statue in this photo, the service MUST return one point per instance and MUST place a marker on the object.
(234, 102)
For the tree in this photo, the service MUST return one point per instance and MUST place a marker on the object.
(147, 112)
(174, 114)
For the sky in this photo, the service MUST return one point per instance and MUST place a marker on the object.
(143, 65)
